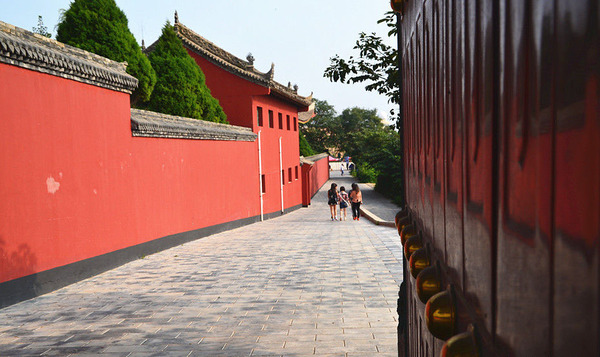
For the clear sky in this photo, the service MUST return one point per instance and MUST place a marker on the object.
(298, 36)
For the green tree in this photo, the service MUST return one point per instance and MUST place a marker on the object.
(351, 123)
(376, 64)
(41, 29)
(305, 148)
(99, 26)
(360, 133)
(181, 87)
(328, 131)
(319, 130)
(381, 148)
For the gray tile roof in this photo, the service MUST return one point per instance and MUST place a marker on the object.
(158, 125)
(26, 49)
(237, 66)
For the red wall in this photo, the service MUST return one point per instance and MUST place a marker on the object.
(314, 177)
(76, 184)
(234, 93)
(290, 154)
(240, 99)
(319, 175)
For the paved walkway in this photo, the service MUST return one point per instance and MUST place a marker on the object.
(382, 207)
(297, 285)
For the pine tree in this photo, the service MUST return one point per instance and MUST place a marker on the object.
(181, 87)
(41, 28)
(99, 26)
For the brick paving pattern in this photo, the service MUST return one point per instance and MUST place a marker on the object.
(297, 285)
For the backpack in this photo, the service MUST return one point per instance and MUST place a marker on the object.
(344, 196)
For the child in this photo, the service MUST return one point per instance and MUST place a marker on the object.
(343, 203)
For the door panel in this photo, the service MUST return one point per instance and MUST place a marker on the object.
(525, 194)
(577, 177)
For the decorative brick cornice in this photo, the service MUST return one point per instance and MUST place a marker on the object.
(158, 125)
(26, 49)
(237, 66)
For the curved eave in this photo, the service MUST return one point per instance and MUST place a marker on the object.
(301, 102)
(234, 65)
(306, 116)
(224, 65)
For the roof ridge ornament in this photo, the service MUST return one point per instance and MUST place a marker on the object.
(250, 58)
(176, 17)
(271, 72)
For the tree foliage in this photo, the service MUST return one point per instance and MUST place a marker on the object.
(329, 132)
(351, 124)
(41, 28)
(318, 131)
(181, 87)
(360, 133)
(380, 150)
(376, 64)
(377, 150)
(99, 26)
(305, 148)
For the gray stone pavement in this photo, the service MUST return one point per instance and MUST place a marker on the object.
(297, 285)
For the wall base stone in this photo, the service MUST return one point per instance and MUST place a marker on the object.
(30, 286)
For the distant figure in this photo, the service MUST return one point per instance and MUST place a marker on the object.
(355, 201)
(344, 203)
(342, 169)
(332, 200)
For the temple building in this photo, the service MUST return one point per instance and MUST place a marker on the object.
(252, 99)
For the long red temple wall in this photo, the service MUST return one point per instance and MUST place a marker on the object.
(314, 177)
(76, 184)
(319, 175)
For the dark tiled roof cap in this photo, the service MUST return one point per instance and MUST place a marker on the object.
(310, 160)
(26, 49)
(158, 125)
(237, 66)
